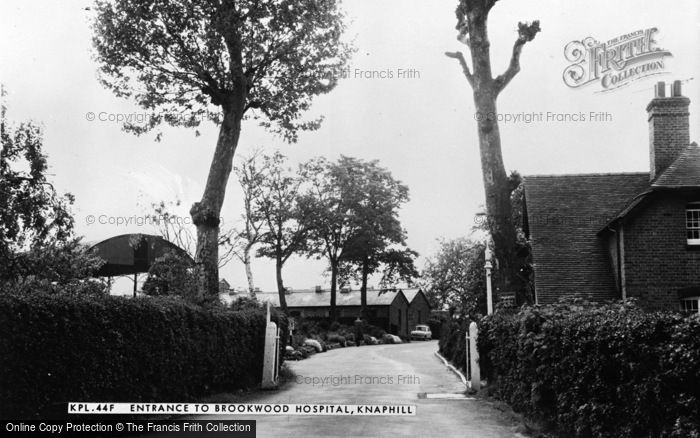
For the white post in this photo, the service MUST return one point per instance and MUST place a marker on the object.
(489, 292)
(271, 350)
(474, 357)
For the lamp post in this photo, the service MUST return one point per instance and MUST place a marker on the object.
(489, 292)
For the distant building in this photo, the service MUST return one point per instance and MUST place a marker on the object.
(418, 307)
(388, 309)
(224, 286)
(611, 236)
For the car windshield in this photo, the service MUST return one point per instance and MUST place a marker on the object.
(422, 328)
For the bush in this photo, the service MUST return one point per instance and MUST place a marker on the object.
(612, 370)
(436, 322)
(452, 343)
(337, 339)
(59, 347)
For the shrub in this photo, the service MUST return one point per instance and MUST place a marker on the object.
(337, 339)
(452, 343)
(59, 347)
(436, 322)
(611, 370)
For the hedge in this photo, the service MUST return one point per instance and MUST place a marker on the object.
(607, 371)
(452, 343)
(56, 348)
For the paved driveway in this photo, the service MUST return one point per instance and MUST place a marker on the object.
(393, 374)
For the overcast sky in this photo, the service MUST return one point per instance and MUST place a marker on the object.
(422, 127)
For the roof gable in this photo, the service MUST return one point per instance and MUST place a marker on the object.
(413, 295)
(323, 299)
(564, 215)
(683, 172)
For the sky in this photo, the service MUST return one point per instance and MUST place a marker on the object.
(420, 125)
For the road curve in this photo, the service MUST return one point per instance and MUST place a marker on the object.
(392, 374)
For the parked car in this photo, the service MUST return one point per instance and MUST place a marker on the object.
(422, 332)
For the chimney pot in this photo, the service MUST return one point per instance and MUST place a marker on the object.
(660, 89)
(676, 88)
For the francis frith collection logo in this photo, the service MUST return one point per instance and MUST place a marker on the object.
(616, 62)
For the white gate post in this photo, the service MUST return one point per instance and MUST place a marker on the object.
(271, 351)
(474, 357)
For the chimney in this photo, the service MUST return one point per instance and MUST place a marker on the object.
(669, 129)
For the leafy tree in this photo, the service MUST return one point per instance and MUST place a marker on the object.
(455, 277)
(279, 205)
(376, 223)
(171, 275)
(399, 265)
(261, 58)
(37, 243)
(473, 32)
(328, 211)
(352, 209)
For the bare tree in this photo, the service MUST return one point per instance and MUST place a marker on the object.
(179, 230)
(250, 175)
(472, 30)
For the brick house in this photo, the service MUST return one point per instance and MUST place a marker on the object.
(612, 236)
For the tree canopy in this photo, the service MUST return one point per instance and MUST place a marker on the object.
(177, 59)
(224, 60)
(353, 218)
(455, 277)
(37, 240)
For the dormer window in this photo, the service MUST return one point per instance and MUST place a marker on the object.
(692, 223)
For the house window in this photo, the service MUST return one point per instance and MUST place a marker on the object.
(690, 304)
(692, 223)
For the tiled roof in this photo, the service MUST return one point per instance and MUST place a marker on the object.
(683, 172)
(565, 213)
(323, 299)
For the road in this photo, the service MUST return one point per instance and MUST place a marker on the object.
(390, 374)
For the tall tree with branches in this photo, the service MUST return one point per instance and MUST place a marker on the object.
(251, 176)
(279, 205)
(221, 59)
(378, 233)
(472, 30)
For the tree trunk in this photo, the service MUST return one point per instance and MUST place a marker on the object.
(363, 288)
(248, 272)
(334, 287)
(496, 185)
(206, 213)
(497, 192)
(280, 284)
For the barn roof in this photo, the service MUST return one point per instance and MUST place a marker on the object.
(411, 294)
(132, 253)
(323, 299)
